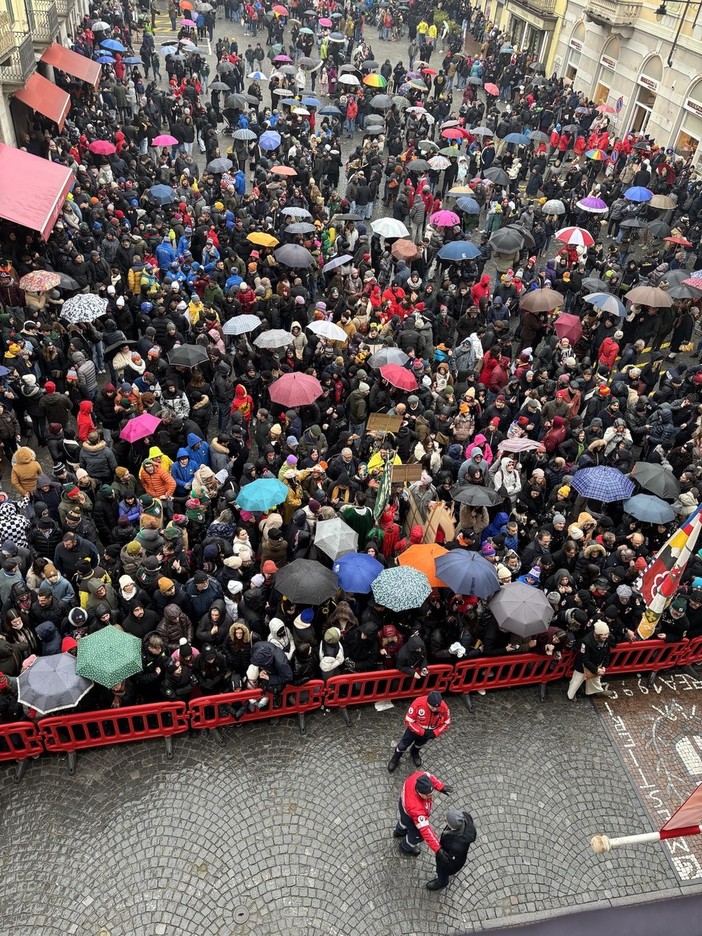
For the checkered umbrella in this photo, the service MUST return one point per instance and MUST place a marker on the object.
(603, 483)
(109, 656)
(401, 588)
(85, 307)
(51, 684)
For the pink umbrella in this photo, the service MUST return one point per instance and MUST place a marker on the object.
(140, 427)
(491, 89)
(518, 445)
(444, 218)
(295, 390)
(326, 23)
(281, 59)
(102, 147)
(399, 377)
(454, 133)
(187, 22)
(575, 235)
(568, 326)
(165, 139)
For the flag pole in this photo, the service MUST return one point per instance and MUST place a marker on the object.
(601, 844)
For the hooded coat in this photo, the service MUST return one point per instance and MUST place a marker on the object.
(25, 471)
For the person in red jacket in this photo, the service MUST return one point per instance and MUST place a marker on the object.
(427, 717)
(609, 350)
(414, 810)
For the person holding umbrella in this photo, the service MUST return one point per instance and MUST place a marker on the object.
(427, 717)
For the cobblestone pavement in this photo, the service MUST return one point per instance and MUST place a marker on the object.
(297, 830)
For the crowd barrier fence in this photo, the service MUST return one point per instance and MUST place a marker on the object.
(18, 742)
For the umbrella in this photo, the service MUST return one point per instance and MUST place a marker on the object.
(496, 175)
(685, 292)
(418, 165)
(335, 262)
(262, 495)
(109, 656)
(482, 131)
(300, 227)
(284, 171)
(306, 582)
(422, 557)
(140, 427)
(85, 307)
(521, 609)
(112, 45)
(388, 356)
(164, 139)
(634, 223)
(262, 239)
(389, 227)
(554, 206)
(594, 284)
(241, 324)
(593, 205)
(381, 102)
(40, 280)
(444, 218)
(468, 205)
(273, 338)
(467, 573)
(661, 229)
(219, 166)
(656, 479)
(51, 684)
(67, 282)
(311, 102)
(437, 163)
(162, 194)
(648, 509)
(375, 81)
(491, 88)
(188, 356)
(580, 237)
(649, 296)
(221, 86)
(330, 110)
(399, 377)
(535, 136)
(401, 588)
(459, 250)
(568, 326)
(454, 133)
(527, 236)
(188, 22)
(328, 330)
(664, 202)
(602, 483)
(357, 571)
(349, 80)
(105, 59)
(223, 68)
(607, 302)
(507, 240)
(475, 495)
(520, 139)
(335, 538)
(404, 249)
(294, 255)
(102, 147)
(295, 211)
(269, 140)
(597, 155)
(295, 389)
(542, 300)
(461, 190)
(638, 193)
(518, 445)
(100, 26)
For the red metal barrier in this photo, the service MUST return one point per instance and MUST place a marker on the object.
(504, 672)
(18, 741)
(71, 733)
(361, 688)
(694, 651)
(647, 656)
(205, 712)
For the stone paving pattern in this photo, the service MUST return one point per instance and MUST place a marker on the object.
(298, 830)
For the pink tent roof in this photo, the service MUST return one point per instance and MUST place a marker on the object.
(32, 190)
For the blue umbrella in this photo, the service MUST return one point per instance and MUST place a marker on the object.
(603, 483)
(467, 573)
(357, 571)
(162, 194)
(112, 45)
(330, 110)
(459, 250)
(467, 204)
(638, 193)
(133, 60)
(520, 138)
(269, 140)
(262, 494)
(105, 60)
(607, 302)
(311, 102)
(258, 76)
(649, 509)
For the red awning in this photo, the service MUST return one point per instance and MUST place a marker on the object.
(43, 96)
(32, 189)
(72, 63)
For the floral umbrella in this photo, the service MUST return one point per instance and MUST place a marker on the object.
(40, 280)
(401, 588)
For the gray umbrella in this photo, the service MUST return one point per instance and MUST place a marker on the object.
(388, 356)
(274, 338)
(51, 684)
(294, 255)
(521, 609)
(306, 582)
(382, 102)
(219, 165)
(335, 538)
(496, 175)
(506, 240)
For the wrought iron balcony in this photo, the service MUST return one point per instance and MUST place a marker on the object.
(543, 7)
(46, 22)
(614, 13)
(64, 8)
(16, 68)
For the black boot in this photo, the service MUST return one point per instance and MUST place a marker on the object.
(240, 711)
(435, 885)
(416, 756)
(394, 761)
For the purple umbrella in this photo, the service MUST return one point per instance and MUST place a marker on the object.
(140, 427)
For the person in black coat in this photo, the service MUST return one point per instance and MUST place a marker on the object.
(457, 837)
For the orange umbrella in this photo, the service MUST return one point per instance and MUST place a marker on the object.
(186, 5)
(284, 170)
(404, 249)
(422, 557)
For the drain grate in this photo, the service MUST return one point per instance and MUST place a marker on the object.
(241, 915)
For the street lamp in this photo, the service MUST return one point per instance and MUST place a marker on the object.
(662, 10)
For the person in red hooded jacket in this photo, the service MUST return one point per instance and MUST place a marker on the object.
(481, 290)
(609, 349)
(555, 435)
(414, 810)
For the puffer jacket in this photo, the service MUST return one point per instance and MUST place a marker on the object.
(87, 374)
(174, 625)
(98, 460)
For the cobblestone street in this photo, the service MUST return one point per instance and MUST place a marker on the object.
(296, 832)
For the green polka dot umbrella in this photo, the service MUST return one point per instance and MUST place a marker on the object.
(401, 588)
(109, 656)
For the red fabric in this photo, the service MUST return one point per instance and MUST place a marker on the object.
(418, 809)
(72, 63)
(37, 201)
(420, 717)
(43, 96)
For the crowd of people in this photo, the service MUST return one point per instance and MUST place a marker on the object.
(201, 271)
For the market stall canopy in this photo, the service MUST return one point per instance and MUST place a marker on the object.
(72, 63)
(37, 201)
(43, 96)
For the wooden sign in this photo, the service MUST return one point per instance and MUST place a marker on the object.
(406, 473)
(380, 422)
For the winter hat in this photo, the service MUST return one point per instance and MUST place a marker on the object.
(234, 587)
(68, 644)
(185, 650)
(535, 572)
(165, 584)
(640, 564)
(332, 635)
(455, 820)
(564, 490)
(200, 577)
(424, 785)
(601, 629)
(50, 386)
(503, 574)
(488, 549)
(133, 548)
(269, 567)
(363, 387)
(624, 591)
(257, 580)
(434, 698)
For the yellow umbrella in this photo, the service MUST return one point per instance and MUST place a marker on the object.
(262, 240)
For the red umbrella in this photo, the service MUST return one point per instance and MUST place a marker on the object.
(429, 71)
(102, 147)
(404, 249)
(491, 89)
(295, 390)
(398, 376)
(682, 241)
(568, 326)
(454, 133)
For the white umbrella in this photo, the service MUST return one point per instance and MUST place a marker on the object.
(349, 80)
(274, 338)
(335, 538)
(328, 330)
(85, 307)
(241, 324)
(389, 227)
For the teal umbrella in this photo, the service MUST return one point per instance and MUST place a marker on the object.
(109, 656)
(262, 494)
(401, 588)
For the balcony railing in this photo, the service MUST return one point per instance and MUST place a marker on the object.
(7, 38)
(544, 7)
(64, 8)
(22, 61)
(613, 13)
(46, 22)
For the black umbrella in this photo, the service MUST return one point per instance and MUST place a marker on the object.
(573, 128)
(188, 356)
(306, 582)
(656, 479)
(475, 496)
(595, 284)
(496, 175)
(526, 235)
(507, 240)
(113, 348)
(67, 282)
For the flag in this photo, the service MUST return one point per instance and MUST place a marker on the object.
(688, 818)
(662, 578)
(384, 486)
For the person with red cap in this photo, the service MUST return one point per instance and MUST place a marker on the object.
(427, 717)
(414, 810)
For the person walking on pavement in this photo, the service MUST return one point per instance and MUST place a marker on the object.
(457, 837)
(414, 810)
(427, 717)
(591, 663)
